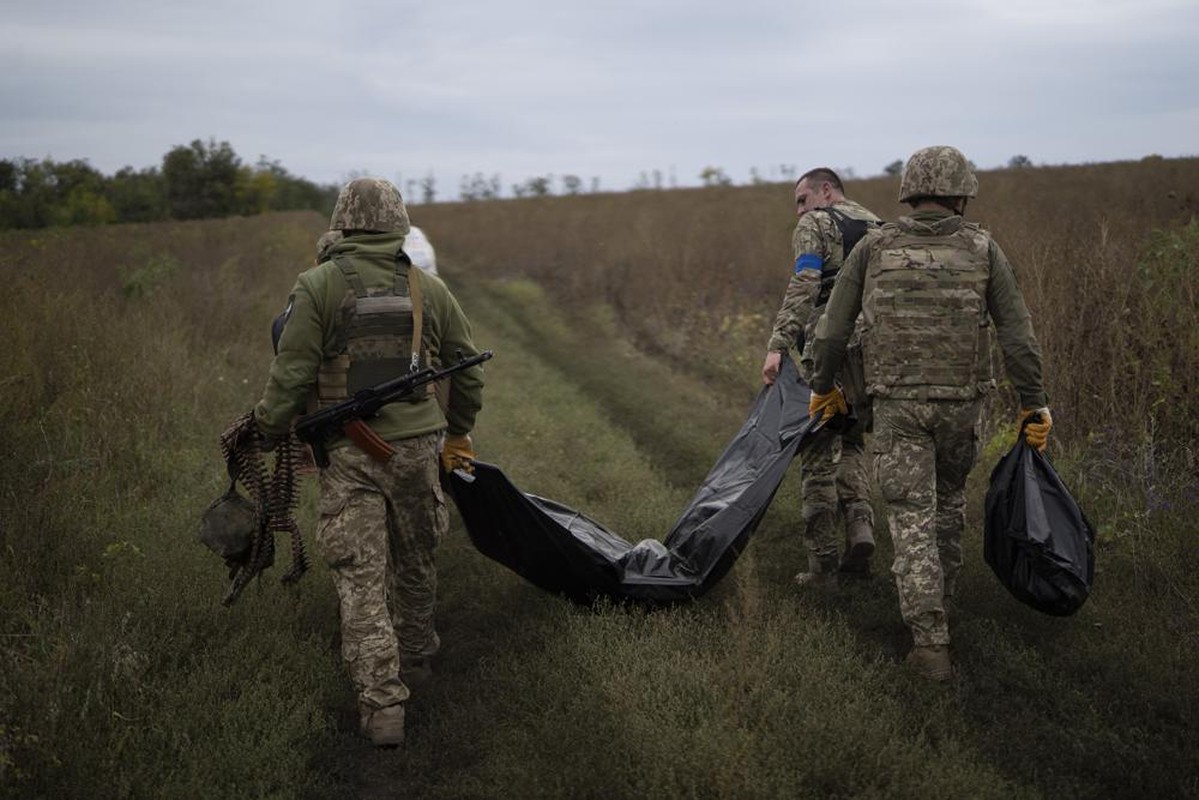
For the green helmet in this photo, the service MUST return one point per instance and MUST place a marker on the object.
(369, 204)
(939, 171)
(228, 526)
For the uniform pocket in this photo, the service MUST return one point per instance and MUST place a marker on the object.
(881, 441)
(439, 520)
(331, 539)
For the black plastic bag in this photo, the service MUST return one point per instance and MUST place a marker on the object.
(1036, 539)
(566, 552)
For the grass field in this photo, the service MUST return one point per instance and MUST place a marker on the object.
(122, 676)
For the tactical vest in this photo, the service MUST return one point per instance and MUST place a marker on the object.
(926, 331)
(852, 230)
(374, 341)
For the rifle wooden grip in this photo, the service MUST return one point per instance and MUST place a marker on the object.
(367, 440)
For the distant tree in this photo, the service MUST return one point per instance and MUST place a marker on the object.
(788, 171)
(78, 194)
(9, 173)
(479, 187)
(595, 184)
(537, 186)
(202, 180)
(714, 176)
(428, 188)
(755, 177)
(894, 169)
(138, 196)
(85, 206)
(36, 194)
(571, 184)
(286, 192)
(25, 196)
(1019, 162)
(256, 189)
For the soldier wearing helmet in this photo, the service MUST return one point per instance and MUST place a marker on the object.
(834, 481)
(361, 316)
(929, 288)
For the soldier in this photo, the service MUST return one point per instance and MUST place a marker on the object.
(362, 316)
(833, 468)
(929, 288)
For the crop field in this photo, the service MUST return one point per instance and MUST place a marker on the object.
(628, 332)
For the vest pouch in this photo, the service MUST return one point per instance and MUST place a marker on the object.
(924, 302)
(375, 336)
(853, 381)
(331, 381)
(372, 372)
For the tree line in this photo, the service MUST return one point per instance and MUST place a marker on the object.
(208, 179)
(195, 181)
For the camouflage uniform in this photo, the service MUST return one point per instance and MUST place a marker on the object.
(928, 288)
(834, 477)
(379, 525)
(379, 520)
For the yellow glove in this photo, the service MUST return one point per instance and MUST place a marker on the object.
(1035, 433)
(829, 404)
(457, 453)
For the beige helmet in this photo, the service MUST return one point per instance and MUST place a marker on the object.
(939, 171)
(369, 204)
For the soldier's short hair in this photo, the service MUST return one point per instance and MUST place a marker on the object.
(821, 175)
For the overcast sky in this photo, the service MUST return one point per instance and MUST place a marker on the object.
(599, 89)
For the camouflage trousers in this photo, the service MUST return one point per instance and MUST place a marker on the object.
(923, 451)
(834, 479)
(379, 525)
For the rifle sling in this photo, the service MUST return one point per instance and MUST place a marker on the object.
(367, 440)
(418, 312)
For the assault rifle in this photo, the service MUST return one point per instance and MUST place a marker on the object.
(347, 416)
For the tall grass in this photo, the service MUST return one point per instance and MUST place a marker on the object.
(628, 332)
(698, 275)
(127, 347)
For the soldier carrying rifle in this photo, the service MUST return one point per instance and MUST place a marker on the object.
(360, 318)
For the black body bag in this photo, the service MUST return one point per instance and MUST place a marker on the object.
(563, 551)
(1036, 539)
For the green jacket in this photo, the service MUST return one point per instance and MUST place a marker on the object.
(917, 245)
(309, 337)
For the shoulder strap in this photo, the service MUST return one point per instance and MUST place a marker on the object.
(406, 272)
(852, 229)
(351, 275)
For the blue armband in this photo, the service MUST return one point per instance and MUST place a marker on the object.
(809, 261)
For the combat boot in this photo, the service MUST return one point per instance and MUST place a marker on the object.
(821, 575)
(859, 547)
(383, 726)
(931, 661)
